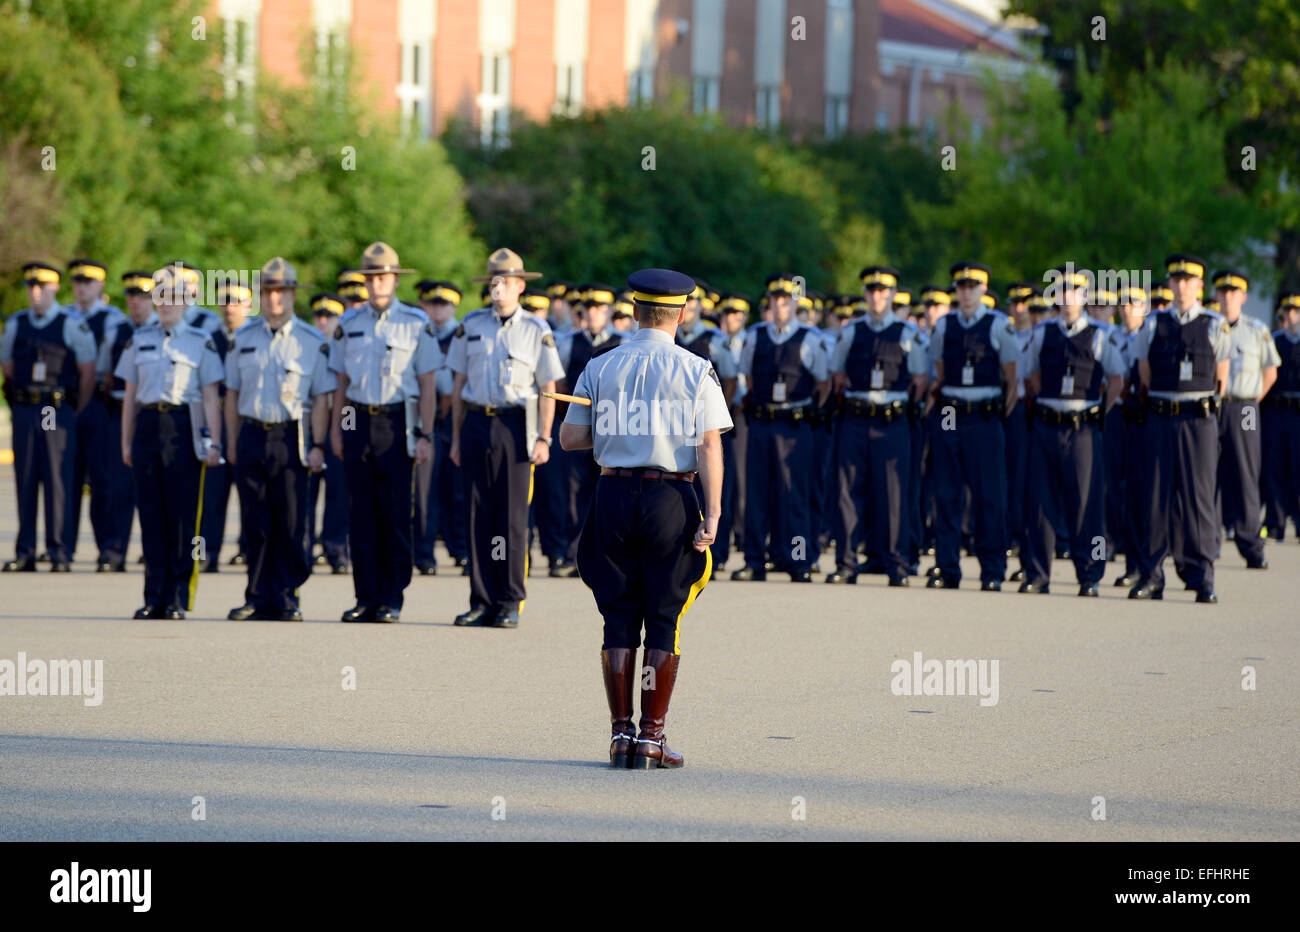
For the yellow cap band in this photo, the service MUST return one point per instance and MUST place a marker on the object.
(601, 296)
(902, 298)
(327, 304)
(87, 271)
(987, 300)
(41, 276)
(1194, 269)
(880, 278)
(781, 284)
(664, 300)
(978, 275)
(1231, 281)
(237, 294)
(936, 297)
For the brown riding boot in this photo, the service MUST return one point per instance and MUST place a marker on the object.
(619, 668)
(652, 750)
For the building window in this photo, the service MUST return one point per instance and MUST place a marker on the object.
(239, 68)
(837, 116)
(767, 111)
(706, 95)
(928, 128)
(494, 102)
(640, 87)
(413, 90)
(568, 88)
(882, 118)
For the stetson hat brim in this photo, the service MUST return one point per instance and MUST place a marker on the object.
(384, 270)
(508, 274)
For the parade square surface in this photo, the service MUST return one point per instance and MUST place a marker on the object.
(784, 708)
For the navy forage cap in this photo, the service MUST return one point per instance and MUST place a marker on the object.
(1019, 291)
(87, 270)
(39, 273)
(534, 300)
(137, 282)
(879, 276)
(781, 283)
(933, 294)
(660, 287)
(1228, 279)
(1183, 266)
(439, 291)
(970, 272)
(326, 303)
(598, 294)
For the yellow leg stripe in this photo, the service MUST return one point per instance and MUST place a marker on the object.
(198, 524)
(696, 589)
(532, 468)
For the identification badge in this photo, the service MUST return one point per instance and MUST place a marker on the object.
(289, 390)
(778, 392)
(506, 372)
(1067, 384)
(389, 367)
(877, 379)
(38, 371)
(968, 374)
(1185, 371)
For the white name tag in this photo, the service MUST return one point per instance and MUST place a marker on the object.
(1067, 384)
(38, 371)
(877, 379)
(1185, 371)
(778, 392)
(968, 374)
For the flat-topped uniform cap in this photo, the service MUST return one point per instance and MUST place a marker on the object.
(351, 285)
(964, 272)
(380, 259)
(933, 294)
(534, 300)
(1229, 279)
(660, 287)
(38, 273)
(559, 289)
(1133, 294)
(733, 302)
(598, 294)
(623, 306)
(326, 304)
(1071, 277)
(87, 270)
(1162, 294)
(879, 276)
(1019, 291)
(430, 290)
(902, 298)
(1181, 266)
(989, 299)
(278, 273)
(232, 293)
(506, 262)
(1288, 300)
(780, 284)
(137, 282)
(184, 271)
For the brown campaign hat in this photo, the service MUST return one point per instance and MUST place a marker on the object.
(505, 262)
(380, 258)
(278, 273)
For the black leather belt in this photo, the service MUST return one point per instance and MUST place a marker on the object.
(1238, 401)
(985, 409)
(494, 410)
(774, 413)
(1197, 407)
(889, 411)
(646, 472)
(268, 425)
(164, 406)
(1283, 402)
(372, 410)
(40, 396)
(1072, 419)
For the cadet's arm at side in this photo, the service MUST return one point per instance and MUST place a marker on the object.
(710, 456)
(575, 436)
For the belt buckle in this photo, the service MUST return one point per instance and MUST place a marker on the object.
(490, 410)
(1174, 407)
(372, 410)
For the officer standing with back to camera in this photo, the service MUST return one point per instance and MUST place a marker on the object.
(644, 550)
(1251, 374)
(1281, 426)
(326, 309)
(93, 451)
(277, 384)
(48, 358)
(974, 352)
(785, 362)
(880, 366)
(1183, 356)
(384, 353)
(502, 358)
(1075, 375)
(171, 371)
(137, 287)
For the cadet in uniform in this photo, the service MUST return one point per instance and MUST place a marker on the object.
(384, 353)
(277, 375)
(195, 314)
(785, 363)
(326, 308)
(48, 358)
(350, 285)
(137, 287)
(94, 454)
(1128, 462)
(501, 358)
(710, 343)
(1281, 422)
(974, 354)
(1075, 374)
(579, 469)
(644, 551)
(733, 318)
(1017, 425)
(880, 366)
(171, 371)
(1251, 373)
(1183, 356)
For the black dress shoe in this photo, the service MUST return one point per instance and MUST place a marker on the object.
(896, 582)
(359, 613)
(428, 569)
(239, 559)
(1145, 590)
(104, 566)
(43, 558)
(506, 619)
(1062, 552)
(1089, 591)
(464, 569)
(149, 611)
(1206, 594)
(289, 614)
(991, 585)
(462, 562)
(61, 566)
(386, 615)
(1127, 581)
(1017, 576)
(1259, 563)
(933, 571)
(837, 578)
(339, 569)
(173, 613)
(941, 581)
(800, 576)
(320, 560)
(20, 566)
(246, 612)
(1034, 585)
(748, 573)
(563, 569)
(474, 618)
(769, 566)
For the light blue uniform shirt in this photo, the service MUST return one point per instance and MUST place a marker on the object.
(812, 352)
(736, 344)
(1292, 337)
(76, 335)
(1219, 342)
(1103, 349)
(110, 314)
(278, 372)
(1024, 338)
(652, 401)
(719, 352)
(383, 353)
(204, 319)
(564, 342)
(918, 363)
(505, 362)
(443, 376)
(1253, 351)
(169, 366)
(1002, 337)
(104, 359)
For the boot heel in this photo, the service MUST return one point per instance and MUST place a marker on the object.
(644, 762)
(620, 761)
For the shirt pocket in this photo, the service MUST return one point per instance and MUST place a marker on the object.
(520, 366)
(356, 357)
(401, 351)
(293, 382)
(183, 375)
